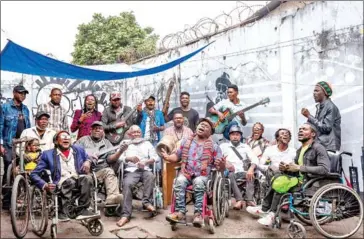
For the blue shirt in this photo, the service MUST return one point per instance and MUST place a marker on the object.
(159, 121)
(9, 121)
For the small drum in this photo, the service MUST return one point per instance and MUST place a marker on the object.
(167, 143)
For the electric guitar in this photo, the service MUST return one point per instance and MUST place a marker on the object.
(115, 136)
(229, 116)
(99, 151)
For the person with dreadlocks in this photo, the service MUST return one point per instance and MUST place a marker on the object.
(256, 141)
(327, 119)
(84, 118)
(70, 168)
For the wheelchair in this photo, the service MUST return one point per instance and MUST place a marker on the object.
(333, 206)
(215, 203)
(44, 207)
(157, 193)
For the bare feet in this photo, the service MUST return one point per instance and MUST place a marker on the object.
(122, 221)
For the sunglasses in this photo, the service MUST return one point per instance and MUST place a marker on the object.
(115, 99)
(65, 136)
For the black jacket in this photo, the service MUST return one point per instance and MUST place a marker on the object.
(328, 124)
(316, 161)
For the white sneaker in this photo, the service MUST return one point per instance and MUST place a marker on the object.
(256, 211)
(267, 220)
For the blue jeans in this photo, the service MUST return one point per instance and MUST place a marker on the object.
(199, 187)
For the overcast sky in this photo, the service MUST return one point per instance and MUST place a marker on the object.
(51, 27)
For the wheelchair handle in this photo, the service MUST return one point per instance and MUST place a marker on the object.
(347, 153)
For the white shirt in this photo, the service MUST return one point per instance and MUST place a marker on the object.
(144, 151)
(68, 169)
(45, 143)
(245, 151)
(227, 104)
(276, 156)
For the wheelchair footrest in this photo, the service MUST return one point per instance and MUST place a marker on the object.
(89, 218)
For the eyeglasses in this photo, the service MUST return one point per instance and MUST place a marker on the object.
(65, 136)
(35, 145)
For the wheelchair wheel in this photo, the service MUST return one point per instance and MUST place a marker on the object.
(257, 192)
(38, 211)
(218, 201)
(342, 205)
(211, 226)
(95, 227)
(19, 207)
(296, 230)
(9, 175)
(53, 231)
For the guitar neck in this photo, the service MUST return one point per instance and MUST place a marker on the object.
(233, 115)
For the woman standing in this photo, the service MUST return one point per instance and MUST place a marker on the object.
(83, 119)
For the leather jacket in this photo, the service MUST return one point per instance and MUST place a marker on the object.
(328, 124)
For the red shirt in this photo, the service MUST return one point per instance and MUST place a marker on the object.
(84, 128)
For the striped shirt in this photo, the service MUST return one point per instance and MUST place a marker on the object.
(59, 119)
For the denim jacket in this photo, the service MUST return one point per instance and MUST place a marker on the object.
(9, 121)
(159, 121)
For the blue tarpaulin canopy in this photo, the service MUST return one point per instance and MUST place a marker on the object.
(16, 58)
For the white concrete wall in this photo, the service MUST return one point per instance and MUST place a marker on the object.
(281, 56)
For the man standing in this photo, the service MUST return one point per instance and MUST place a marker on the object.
(233, 104)
(41, 131)
(311, 158)
(256, 141)
(198, 155)
(138, 158)
(190, 115)
(241, 163)
(178, 131)
(327, 119)
(94, 144)
(58, 120)
(14, 119)
(112, 119)
(70, 168)
(151, 121)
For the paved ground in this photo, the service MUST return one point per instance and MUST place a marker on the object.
(239, 225)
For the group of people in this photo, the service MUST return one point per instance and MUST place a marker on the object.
(121, 134)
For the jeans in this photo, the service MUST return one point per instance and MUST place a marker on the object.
(132, 178)
(199, 187)
(249, 187)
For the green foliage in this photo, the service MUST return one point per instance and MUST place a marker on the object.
(113, 39)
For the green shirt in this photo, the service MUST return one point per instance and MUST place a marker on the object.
(300, 159)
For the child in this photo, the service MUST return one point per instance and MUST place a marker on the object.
(31, 154)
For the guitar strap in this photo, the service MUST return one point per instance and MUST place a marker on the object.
(237, 153)
(246, 163)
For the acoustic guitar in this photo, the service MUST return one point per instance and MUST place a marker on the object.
(117, 135)
(229, 116)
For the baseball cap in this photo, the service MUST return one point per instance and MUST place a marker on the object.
(115, 95)
(41, 113)
(20, 88)
(151, 97)
(96, 123)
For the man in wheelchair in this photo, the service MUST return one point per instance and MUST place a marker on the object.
(70, 167)
(198, 154)
(94, 144)
(241, 163)
(311, 159)
(138, 157)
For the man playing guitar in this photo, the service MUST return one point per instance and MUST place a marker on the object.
(233, 103)
(112, 117)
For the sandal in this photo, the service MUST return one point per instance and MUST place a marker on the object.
(175, 217)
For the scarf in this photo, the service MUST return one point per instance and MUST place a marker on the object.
(206, 158)
(151, 114)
